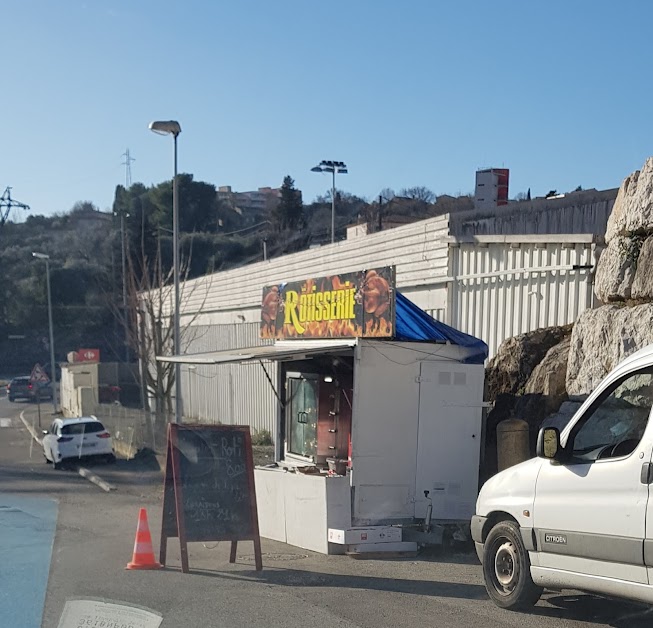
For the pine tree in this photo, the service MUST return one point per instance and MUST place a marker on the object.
(289, 213)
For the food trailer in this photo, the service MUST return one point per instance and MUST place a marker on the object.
(379, 422)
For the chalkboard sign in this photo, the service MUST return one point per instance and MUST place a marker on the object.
(209, 488)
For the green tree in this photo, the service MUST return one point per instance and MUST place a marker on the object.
(198, 205)
(83, 269)
(289, 213)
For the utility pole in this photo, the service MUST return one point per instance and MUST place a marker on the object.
(123, 213)
(7, 204)
(380, 225)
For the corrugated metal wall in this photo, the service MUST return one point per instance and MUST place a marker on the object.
(498, 287)
(418, 250)
(585, 212)
(232, 394)
(502, 289)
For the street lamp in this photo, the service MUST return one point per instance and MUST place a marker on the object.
(53, 372)
(172, 127)
(333, 167)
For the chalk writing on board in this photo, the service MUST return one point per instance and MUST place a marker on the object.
(209, 488)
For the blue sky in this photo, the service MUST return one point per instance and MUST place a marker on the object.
(406, 93)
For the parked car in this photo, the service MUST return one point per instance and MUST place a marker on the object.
(73, 439)
(578, 516)
(23, 388)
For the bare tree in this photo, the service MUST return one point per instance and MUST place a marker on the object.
(418, 193)
(150, 294)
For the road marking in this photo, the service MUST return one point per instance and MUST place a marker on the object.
(28, 526)
(5, 422)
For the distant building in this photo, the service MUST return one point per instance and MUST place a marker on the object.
(491, 188)
(89, 219)
(254, 202)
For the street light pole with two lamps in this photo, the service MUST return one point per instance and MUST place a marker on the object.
(334, 167)
(53, 372)
(172, 127)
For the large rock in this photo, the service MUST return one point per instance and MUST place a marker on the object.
(601, 339)
(633, 208)
(563, 415)
(615, 271)
(549, 376)
(509, 370)
(643, 282)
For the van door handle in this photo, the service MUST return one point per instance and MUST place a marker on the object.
(646, 476)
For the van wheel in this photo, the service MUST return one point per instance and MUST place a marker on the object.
(507, 569)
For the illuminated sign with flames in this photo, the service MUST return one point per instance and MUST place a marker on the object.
(360, 304)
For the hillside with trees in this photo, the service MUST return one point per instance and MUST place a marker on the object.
(84, 245)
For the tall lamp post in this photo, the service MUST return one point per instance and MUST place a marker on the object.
(172, 127)
(53, 372)
(334, 167)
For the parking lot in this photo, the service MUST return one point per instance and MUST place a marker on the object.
(95, 535)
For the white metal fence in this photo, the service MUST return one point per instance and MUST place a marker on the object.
(231, 394)
(504, 286)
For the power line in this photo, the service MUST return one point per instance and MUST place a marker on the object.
(128, 168)
(7, 204)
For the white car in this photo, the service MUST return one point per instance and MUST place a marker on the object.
(72, 439)
(580, 515)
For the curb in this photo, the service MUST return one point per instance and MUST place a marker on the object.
(83, 471)
(95, 479)
(30, 429)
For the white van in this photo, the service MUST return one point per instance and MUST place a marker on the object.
(580, 515)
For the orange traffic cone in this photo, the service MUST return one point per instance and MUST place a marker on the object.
(143, 557)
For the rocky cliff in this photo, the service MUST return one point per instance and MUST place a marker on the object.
(624, 282)
(549, 371)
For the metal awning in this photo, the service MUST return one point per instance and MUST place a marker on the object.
(281, 350)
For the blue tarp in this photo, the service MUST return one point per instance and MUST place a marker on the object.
(412, 324)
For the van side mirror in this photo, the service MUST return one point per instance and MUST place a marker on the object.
(548, 443)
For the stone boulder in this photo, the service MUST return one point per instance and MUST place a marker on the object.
(615, 270)
(549, 376)
(510, 369)
(642, 288)
(632, 212)
(601, 339)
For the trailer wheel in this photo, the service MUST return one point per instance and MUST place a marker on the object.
(507, 569)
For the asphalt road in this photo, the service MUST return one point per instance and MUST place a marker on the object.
(94, 536)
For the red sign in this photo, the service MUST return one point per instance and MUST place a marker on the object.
(88, 355)
(38, 375)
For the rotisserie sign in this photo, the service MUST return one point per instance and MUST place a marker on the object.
(351, 305)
